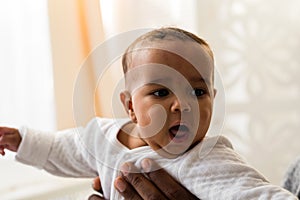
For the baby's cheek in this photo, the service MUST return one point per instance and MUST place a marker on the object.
(205, 118)
(142, 115)
(152, 121)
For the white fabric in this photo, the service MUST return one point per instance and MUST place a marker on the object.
(211, 170)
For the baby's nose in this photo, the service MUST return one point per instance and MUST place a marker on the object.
(181, 105)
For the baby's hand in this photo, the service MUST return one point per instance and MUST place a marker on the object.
(10, 139)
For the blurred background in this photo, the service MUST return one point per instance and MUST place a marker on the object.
(44, 44)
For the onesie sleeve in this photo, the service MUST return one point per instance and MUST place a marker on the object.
(61, 153)
(35, 147)
(222, 174)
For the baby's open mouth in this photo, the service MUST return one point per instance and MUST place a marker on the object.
(179, 133)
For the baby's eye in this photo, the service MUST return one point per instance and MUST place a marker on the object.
(198, 92)
(161, 93)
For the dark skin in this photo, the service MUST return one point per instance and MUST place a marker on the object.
(136, 186)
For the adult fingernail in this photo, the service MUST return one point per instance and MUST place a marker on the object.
(125, 169)
(146, 165)
(120, 185)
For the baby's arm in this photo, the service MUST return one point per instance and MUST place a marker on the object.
(62, 153)
(10, 139)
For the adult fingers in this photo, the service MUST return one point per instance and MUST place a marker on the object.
(95, 197)
(126, 190)
(137, 186)
(97, 187)
(165, 182)
(97, 184)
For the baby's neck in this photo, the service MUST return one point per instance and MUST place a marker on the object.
(129, 138)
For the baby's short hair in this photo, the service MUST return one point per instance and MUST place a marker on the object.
(166, 33)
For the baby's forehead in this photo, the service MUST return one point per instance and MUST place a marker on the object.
(175, 55)
(192, 52)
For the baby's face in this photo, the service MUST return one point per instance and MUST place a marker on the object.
(171, 96)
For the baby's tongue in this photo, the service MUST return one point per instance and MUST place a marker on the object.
(178, 131)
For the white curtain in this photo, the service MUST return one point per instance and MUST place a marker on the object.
(42, 46)
(26, 86)
(26, 82)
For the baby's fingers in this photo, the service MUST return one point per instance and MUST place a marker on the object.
(2, 152)
(4, 130)
(9, 139)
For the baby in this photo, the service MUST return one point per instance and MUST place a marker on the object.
(169, 95)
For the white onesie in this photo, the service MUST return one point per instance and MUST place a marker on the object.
(211, 170)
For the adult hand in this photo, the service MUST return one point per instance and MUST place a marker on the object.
(160, 185)
(97, 187)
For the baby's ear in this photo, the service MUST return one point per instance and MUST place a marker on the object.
(126, 100)
(215, 92)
